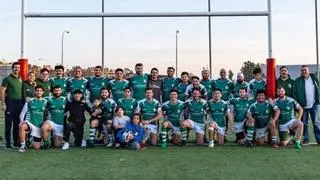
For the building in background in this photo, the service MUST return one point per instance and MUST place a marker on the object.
(294, 70)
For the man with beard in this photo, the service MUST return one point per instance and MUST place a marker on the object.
(77, 82)
(128, 103)
(155, 83)
(224, 84)
(182, 86)
(285, 81)
(118, 85)
(207, 83)
(168, 83)
(95, 83)
(44, 81)
(138, 83)
(196, 84)
(241, 83)
(59, 79)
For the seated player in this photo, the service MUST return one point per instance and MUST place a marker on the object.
(287, 120)
(218, 110)
(132, 134)
(195, 111)
(262, 117)
(173, 113)
(54, 123)
(95, 120)
(76, 120)
(119, 122)
(31, 119)
(150, 110)
(240, 108)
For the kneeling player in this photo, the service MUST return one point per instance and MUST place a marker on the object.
(31, 119)
(95, 121)
(172, 111)
(263, 116)
(287, 120)
(195, 108)
(55, 119)
(240, 108)
(218, 110)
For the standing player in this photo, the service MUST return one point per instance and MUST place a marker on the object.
(155, 83)
(240, 83)
(55, 106)
(168, 83)
(224, 84)
(182, 86)
(118, 85)
(138, 83)
(108, 106)
(285, 81)
(77, 82)
(196, 84)
(195, 108)
(207, 83)
(95, 83)
(287, 120)
(173, 114)
(150, 110)
(28, 87)
(263, 116)
(240, 109)
(128, 104)
(59, 79)
(218, 110)
(256, 84)
(44, 81)
(31, 119)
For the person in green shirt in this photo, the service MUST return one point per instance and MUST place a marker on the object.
(173, 115)
(138, 83)
(11, 99)
(28, 87)
(118, 85)
(182, 86)
(95, 83)
(150, 111)
(77, 82)
(218, 110)
(207, 83)
(168, 83)
(55, 119)
(224, 84)
(31, 119)
(287, 119)
(285, 81)
(128, 104)
(59, 79)
(240, 107)
(195, 109)
(44, 81)
(262, 117)
(256, 84)
(240, 83)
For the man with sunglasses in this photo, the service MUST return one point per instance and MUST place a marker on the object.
(285, 81)
(306, 93)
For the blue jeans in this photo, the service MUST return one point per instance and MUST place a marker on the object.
(315, 117)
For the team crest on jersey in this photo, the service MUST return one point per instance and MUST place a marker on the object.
(247, 104)
(267, 111)
(221, 109)
(227, 87)
(82, 86)
(288, 108)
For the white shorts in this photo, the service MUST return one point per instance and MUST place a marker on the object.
(56, 128)
(220, 130)
(287, 126)
(197, 127)
(34, 130)
(261, 132)
(174, 129)
(239, 126)
(153, 128)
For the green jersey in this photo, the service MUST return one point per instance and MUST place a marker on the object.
(94, 86)
(203, 91)
(287, 108)
(129, 105)
(240, 108)
(34, 111)
(255, 86)
(73, 84)
(208, 84)
(238, 86)
(226, 87)
(181, 88)
(218, 111)
(14, 87)
(262, 113)
(108, 107)
(60, 81)
(46, 85)
(28, 89)
(196, 110)
(173, 112)
(138, 84)
(117, 88)
(56, 108)
(148, 109)
(168, 83)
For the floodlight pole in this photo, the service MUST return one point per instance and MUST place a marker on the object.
(102, 38)
(270, 51)
(23, 18)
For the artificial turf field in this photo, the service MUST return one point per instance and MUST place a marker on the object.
(228, 162)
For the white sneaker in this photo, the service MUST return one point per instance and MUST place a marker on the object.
(84, 143)
(117, 145)
(23, 149)
(211, 144)
(109, 144)
(65, 146)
